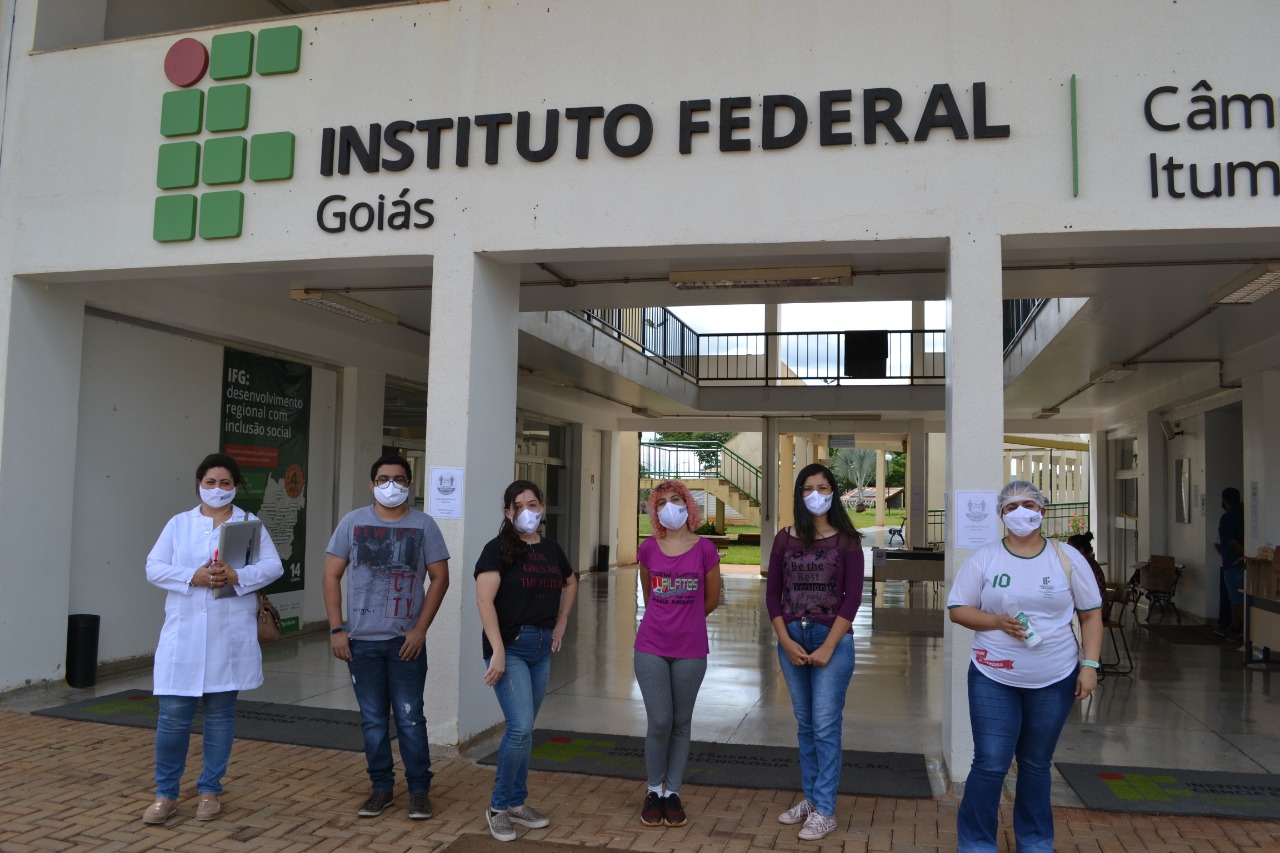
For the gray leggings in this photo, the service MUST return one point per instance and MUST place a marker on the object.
(670, 687)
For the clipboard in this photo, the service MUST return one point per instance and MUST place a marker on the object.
(237, 547)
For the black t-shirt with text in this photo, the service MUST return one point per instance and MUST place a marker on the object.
(529, 593)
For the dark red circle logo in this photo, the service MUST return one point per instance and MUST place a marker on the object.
(186, 62)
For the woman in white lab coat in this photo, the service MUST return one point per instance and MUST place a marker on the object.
(208, 646)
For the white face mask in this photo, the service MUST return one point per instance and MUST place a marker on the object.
(673, 516)
(1023, 521)
(817, 503)
(526, 522)
(390, 495)
(217, 498)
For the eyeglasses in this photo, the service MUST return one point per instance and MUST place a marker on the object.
(823, 489)
(400, 480)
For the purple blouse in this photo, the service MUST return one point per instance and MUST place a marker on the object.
(820, 582)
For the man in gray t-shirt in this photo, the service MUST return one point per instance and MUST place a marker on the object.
(391, 550)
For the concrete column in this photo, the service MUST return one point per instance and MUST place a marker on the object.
(360, 435)
(879, 488)
(917, 340)
(609, 496)
(786, 480)
(917, 465)
(975, 432)
(471, 417)
(773, 354)
(42, 342)
(769, 482)
(1154, 509)
(628, 496)
(1260, 425)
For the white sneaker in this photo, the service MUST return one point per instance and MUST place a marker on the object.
(797, 813)
(817, 826)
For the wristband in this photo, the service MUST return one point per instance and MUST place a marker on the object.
(1092, 663)
(333, 631)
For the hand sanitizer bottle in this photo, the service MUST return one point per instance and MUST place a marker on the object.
(1032, 638)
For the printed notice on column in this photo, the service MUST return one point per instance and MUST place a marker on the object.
(444, 493)
(976, 519)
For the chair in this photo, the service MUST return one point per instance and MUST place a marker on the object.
(1157, 583)
(898, 532)
(1113, 607)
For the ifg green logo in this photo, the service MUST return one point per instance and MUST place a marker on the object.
(216, 155)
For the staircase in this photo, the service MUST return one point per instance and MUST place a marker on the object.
(706, 466)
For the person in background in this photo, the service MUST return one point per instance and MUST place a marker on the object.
(208, 649)
(680, 582)
(813, 592)
(1230, 547)
(392, 550)
(1083, 542)
(1025, 670)
(525, 589)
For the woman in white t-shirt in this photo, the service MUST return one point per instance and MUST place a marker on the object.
(1019, 595)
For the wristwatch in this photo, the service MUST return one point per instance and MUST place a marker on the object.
(333, 631)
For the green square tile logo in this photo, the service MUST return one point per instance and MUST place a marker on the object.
(279, 50)
(231, 56)
(175, 218)
(178, 165)
(181, 113)
(218, 160)
(228, 108)
(221, 214)
(271, 156)
(224, 160)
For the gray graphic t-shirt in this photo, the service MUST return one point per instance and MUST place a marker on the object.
(386, 569)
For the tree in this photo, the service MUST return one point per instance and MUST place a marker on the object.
(854, 468)
(708, 457)
(896, 472)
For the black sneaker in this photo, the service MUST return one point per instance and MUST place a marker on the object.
(419, 806)
(651, 813)
(673, 812)
(377, 803)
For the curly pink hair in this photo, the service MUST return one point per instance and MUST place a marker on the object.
(666, 487)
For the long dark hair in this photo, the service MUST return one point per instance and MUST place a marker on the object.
(837, 515)
(511, 547)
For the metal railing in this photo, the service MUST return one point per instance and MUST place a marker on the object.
(1060, 521)
(1017, 316)
(804, 358)
(695, 460)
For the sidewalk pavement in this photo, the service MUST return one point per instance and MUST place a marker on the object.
(73, 786)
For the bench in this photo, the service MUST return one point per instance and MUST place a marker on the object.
(898, 532)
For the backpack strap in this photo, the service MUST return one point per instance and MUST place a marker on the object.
(1066, 566)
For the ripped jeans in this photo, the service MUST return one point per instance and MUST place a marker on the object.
(383, 683)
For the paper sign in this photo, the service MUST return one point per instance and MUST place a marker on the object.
(444, 493)
(976, 521)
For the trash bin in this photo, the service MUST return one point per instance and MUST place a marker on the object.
(82, 649)
(602, 559)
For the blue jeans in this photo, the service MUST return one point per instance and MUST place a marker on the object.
(1012, 722)
(817, 697)
(383, 683)
(173, 736)
(520, 692)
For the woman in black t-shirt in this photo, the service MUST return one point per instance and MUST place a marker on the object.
(525, 589)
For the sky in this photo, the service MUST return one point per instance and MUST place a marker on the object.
(808, 317)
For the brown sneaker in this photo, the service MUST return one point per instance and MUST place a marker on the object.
(209, 807)
(159, 811)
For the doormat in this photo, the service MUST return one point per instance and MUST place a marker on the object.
(1152, 790)
(488, 844)
(1188, 635)
(328, 728)
(877, 774)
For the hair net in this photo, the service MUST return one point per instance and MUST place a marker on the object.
(1018, 491)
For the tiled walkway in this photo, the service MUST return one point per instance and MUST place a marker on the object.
(71, 786)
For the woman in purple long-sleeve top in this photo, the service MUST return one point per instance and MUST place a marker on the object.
(813, 592)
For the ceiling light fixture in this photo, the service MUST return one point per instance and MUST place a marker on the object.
(1110, 373)
(1248, 287)
(352, 309)
(1045, 413)
(772, 277)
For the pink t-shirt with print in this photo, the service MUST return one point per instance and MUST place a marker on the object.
(675, 620)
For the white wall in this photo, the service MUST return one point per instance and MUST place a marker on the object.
(149, 412)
